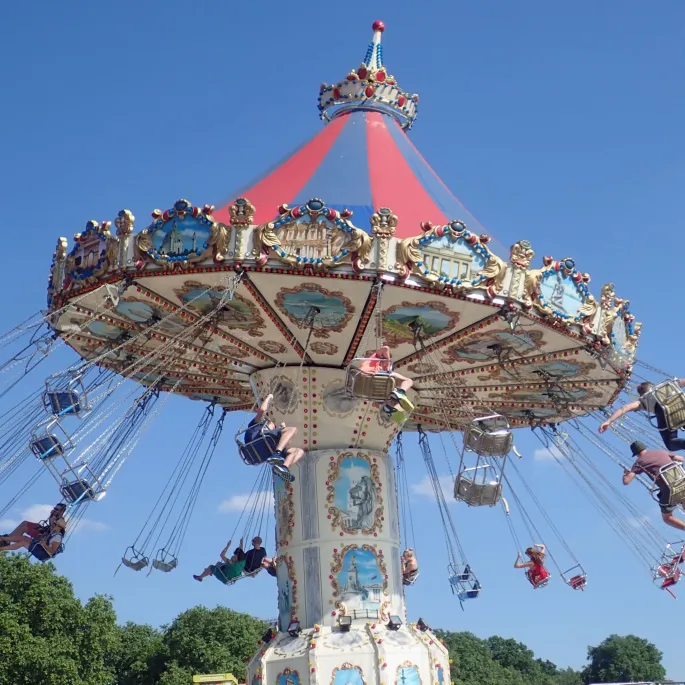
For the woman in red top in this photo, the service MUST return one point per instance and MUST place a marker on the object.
(535, 568)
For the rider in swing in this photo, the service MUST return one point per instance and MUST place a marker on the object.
(398, 406)
(535, 567)
(28, 534)
(648, 403)
(651, 462)
(284, 457)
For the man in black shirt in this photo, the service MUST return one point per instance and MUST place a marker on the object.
(254, 556)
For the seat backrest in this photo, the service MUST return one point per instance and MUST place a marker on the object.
(672, 400)
(136, 564)
(375, 387)
(165, 566)
(477, 494)
(252, 451)
(674, 477)
(38, 550)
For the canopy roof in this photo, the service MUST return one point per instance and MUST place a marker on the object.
(362, 160)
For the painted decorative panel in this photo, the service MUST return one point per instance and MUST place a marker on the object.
(354, 494)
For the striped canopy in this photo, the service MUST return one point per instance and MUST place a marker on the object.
(361, 161)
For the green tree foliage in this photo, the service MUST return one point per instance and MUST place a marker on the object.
(472, 663)
(139, 657)
(46, 634)
(219, 640)
(624, 658)
(500, 661)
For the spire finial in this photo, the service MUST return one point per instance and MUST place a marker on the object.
(369, 88)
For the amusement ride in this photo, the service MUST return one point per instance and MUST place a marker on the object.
(288, 292)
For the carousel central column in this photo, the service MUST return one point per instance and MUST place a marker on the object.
(337, 525)
(342, 618)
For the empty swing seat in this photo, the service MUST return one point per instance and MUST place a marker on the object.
(489, 436)
(477, 494)
(577, 582)
(137, 562)
(62, 402)
(463, 583)
(671, 398)
(469, 594)
(366, 382)
(259, 449)
(575, 577)
(673, 475)
(78, 490)
(164, 565)
(47, 446)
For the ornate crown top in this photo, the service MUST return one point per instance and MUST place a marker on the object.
(369, 88)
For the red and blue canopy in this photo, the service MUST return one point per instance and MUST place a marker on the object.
(361, 161)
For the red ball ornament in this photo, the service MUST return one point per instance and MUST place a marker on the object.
(378, 25)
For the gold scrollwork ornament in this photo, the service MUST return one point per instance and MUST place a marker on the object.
(494, 271)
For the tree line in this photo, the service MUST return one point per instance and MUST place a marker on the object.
(48, 636)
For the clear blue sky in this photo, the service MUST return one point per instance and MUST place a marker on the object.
(557, 122)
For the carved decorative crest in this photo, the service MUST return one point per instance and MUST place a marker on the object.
(241, 211)
(559, 291)
(384, 223)
(313, 236)
(56, 270)
(124, 223)
(95, 250)
(181, 236)
(451, 256)
(521, 254)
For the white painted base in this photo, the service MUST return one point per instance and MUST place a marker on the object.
(367, 654)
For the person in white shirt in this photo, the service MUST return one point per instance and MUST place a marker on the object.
(51, 536)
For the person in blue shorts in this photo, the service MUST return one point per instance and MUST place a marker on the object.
(261, 432)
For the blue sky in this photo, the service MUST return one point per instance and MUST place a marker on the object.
(561, 123)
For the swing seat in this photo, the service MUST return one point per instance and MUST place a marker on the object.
(410, 578)
(463, 583)
(673, 475)
(578, 580)
(137, 565)
(65, 398)
(252, 452)
(165, 566)
(540, 581)
(469, 594)
(376, 386)
(62, 402)
(233, 581)
(79, 490)
(39, 551)
(477, 494)
(489, 436)
(47, 446)
(137, 562)
(672, 400)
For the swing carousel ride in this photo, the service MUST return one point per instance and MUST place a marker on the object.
(353, 243)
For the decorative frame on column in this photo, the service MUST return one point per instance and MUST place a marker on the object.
(362, 584)
(354, 478)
